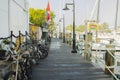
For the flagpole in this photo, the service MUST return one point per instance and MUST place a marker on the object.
(47, 26)
(47, 19)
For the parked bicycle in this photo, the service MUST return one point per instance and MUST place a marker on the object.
(20, 57)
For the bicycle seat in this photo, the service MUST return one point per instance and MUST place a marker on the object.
(25, 55)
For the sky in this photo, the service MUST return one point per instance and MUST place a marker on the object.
(83, 9)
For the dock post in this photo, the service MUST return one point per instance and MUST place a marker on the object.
(109, 60)
(88, 46)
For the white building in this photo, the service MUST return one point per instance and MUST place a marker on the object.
(13, 16)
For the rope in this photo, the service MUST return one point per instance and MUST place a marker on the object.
(22, 34)
(5, 38)
(15, 36)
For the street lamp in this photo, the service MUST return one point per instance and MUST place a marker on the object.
(63, 28)
(74, 39)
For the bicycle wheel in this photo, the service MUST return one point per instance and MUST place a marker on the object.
(44, 54)
(9, 76)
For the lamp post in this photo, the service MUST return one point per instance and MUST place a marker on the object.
(74, 39)
(63, 28)
(98, 14)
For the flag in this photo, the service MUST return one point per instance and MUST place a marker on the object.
(48, 13)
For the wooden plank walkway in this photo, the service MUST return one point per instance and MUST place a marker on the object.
(61, 64)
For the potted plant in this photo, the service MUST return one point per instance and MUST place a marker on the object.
(3, 49)
(6, 41)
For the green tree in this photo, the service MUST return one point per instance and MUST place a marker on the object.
(80, 28)
(37, 16)
(104, 27)
(69, 27)
(52, 23)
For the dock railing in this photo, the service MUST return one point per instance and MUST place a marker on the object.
(99, 54)
(108, 58)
